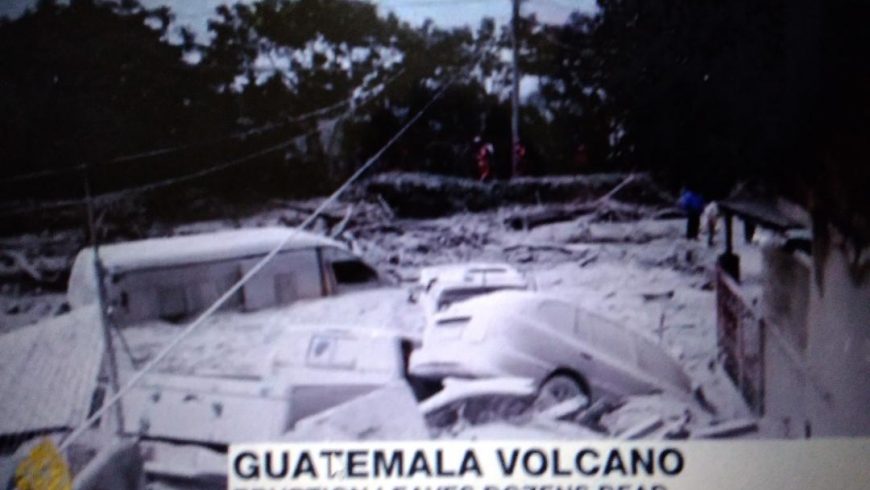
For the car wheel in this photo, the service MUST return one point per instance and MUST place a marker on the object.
(558, 388)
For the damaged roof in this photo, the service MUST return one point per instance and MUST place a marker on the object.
(50, 372)
(206, 247)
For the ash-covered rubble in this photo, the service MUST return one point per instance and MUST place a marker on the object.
(504, 409)
(614, 248)
(609, 244)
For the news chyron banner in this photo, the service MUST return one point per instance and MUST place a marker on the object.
(552, 465)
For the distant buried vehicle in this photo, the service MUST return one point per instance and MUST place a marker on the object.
(569, 351)
(176, 277)
(441, 286)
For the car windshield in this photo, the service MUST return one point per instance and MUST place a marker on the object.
(451, 296)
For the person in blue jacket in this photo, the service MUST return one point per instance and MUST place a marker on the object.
(693, 204)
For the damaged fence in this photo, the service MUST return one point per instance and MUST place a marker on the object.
(740, 337)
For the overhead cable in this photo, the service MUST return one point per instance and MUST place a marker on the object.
(186, 146)
(247, 276)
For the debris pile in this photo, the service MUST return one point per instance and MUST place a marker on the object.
(500, 408)
(608, 243)
(413, 195)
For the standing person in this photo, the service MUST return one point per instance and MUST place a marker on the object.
(519, 162)
(581, 158)
(693, 205)
(484, 157)
(709, 218)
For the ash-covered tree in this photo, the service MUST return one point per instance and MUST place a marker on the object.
(442, 140)
(570, 119)
(87, 81)
(299, 65)
(698, 87)
(278, 60)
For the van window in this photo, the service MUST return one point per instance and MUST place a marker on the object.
(352, 272)
(171, 293)
(292, 275)
(172, 302)
(179, 291)
(347, 271)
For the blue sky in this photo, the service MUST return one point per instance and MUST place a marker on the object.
(195, 13)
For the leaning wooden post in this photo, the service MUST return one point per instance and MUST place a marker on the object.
(99, 273)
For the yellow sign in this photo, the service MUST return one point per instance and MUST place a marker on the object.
(43, 469)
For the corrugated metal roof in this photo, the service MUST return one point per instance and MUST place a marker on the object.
(49, 372)
(764, 212)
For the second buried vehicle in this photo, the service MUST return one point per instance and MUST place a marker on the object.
(569, 351)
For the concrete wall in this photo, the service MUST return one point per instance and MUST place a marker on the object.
(817, 347)
(838, 349)
(786, 292)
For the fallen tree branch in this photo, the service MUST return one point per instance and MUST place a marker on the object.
(342, 225)
(616, 189)
(21, 264)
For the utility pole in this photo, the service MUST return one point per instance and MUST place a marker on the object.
(515, 91)
(110, 365)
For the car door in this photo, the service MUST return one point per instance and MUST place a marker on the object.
(610, 355)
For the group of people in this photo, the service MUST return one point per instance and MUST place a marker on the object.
(484, 153)
(698, 212)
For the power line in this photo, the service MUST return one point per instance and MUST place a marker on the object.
(117, 195)
(566, 4)
(177, 148)
(433, 3)
(253, 271)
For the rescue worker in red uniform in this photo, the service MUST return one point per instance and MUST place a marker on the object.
(484, 157)
(519, 162)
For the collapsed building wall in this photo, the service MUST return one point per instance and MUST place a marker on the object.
(785, 303)
(817, 364)
(838, 345)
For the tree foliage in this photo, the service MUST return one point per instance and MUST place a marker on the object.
(702, 93)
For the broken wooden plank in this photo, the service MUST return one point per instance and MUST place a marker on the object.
(642, 429)
(732, 428)
(563, 408)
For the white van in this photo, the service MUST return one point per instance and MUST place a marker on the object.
(174, 278)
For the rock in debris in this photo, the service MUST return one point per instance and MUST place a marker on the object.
(389, 413)
(731, 428)
(644, 416)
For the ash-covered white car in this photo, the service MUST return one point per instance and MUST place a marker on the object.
(441, 286)
(568, 350)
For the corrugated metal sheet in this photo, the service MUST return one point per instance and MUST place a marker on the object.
(48, 372)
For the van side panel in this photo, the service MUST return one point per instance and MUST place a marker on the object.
(181, 291)
(169, 293)
(291, 276)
